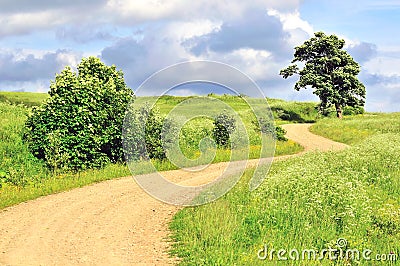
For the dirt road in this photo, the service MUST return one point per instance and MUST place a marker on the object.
(109, 223)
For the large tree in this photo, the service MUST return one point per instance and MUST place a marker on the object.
(329, 70)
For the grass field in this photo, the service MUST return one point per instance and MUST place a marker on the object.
(283, 111)
(354, 129)
(308, 202)
(26, 98)
(23, 177)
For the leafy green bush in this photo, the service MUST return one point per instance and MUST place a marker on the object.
(266, 126)
(224, 125)
(349, 110)
(147, 134)
(86, 109)
(280, 133)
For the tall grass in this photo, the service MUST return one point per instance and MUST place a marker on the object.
(354, 129)
(17, 164)
(305, 203)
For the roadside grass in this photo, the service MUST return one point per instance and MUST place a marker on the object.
(354, 129)
(49, 184)
(306, 202)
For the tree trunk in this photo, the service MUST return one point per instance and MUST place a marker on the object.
(339, 111)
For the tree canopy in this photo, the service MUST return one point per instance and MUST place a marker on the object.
(329, 70)
(80, 125)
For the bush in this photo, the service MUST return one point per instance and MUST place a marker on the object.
(349, 110)
(147, 134)
(280, 133)
(224, 125)
(267, 127)
(83, 117)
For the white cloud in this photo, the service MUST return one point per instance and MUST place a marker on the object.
(383, 65)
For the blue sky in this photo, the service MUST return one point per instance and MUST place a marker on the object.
(39, 38)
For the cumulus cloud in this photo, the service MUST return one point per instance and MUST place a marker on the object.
(24, 17)
(259, 44)
(258, 31)
(84, 33)
(362, 52)
(19, 68)
(28, 6)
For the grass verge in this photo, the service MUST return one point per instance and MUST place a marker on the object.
(354, 129)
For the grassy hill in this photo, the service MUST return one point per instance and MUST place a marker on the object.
(283, 111)
(26, 98)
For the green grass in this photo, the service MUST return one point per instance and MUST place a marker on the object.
(354, 129)
(293, 112)
(283, 111)
(11, 195)
(306, 202)
(26, 98)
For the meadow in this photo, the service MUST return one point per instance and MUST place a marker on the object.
(307, 202)
(28, 99)
(354, 129)
(23, 177)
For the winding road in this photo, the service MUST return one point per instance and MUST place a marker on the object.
(110, 223)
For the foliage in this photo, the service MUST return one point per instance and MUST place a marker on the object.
(329, 70)
(350, 110)
(265, 126)
(147, 134)
(86, 109)
(24, 177)
(224, 125)
(55, 157)
(280, 133)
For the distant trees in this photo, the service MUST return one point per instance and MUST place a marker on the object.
(330, 71)
(80, 125)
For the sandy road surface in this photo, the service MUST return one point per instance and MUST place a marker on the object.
(109, 223)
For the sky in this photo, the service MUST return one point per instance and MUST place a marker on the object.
(39, 38)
